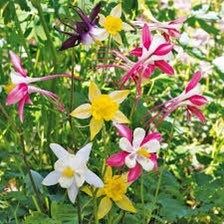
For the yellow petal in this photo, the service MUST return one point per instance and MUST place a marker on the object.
(119, 117)
(101, 19)
(127, 27)
(126, 204)
(117, 38)
(104, 207)
(119, 96)
(93, 91)
(108, 173)
(116, 11)
(87, 190)
(82, 112)
(95, 127)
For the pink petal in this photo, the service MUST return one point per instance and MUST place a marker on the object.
(21, 104)
(197, 112)
(136, 52)
(151, 136)
(174, 33)
(194, 81)
(117, 159)
(17, 94)
(163, 49)
(146, 36)
(17, 64)
(124, 131)
(165, 67)
(198, 100)
(153, 158)
(179, 20)
(148, 71)
(134, 173)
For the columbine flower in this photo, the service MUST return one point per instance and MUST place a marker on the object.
(71, 171)
(103, 107)
(113, 25)
(139, 151)
(114, 190)
(20, 88)
(190, 98)
(84, 31)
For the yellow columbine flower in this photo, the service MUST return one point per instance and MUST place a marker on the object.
(114, 190)
(113, 25)
(103, 107)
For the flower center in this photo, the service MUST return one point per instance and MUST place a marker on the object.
(115, 187)
(104, 107)
(9, 87)
(143, 152)
(113, 25)
(68, 172)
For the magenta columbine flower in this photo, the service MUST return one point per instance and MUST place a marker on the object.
(191, 98)
(20, 88)
(84, 31)
(139, 151)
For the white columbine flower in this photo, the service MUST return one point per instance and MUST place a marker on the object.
(218, 62)
(70, 170)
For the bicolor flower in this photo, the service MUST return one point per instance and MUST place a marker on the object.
(190, 98)
(139, 151)
(71, 171)
(20, 88)
(84, 31)
(102, 107)
(113, 25)
(114, 190)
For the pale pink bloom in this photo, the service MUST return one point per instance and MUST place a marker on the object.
(139, 151)
(21, 87)
(182, 5)
(190, 98)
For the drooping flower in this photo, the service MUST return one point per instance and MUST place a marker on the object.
(84, 31)
(71, 171)
(139, 151)
(113, 25)
(190, 98)
(103, 107)
(114, 190)
(20, 88)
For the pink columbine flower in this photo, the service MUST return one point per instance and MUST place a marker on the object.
(20, 88)
(190, 98)
(139, 151)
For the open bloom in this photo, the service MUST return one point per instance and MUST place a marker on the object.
(190, 98)
(103, 107)
(71, 171)
(113, 25)
(139, 151)
(20, 88)
(114, 190)
(84, 31)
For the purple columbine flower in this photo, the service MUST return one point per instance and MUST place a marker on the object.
(84, 31)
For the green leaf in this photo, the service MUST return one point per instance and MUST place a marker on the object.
(40, 218)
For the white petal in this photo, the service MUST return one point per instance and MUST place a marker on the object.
(146, 163)
(116, 11)
(102, 19)
(99, 34)
(125, 145)
(138, 136)
(130, 160)
(152, 146)
(72, 192)
(59, 151)
(51, 178)
(117, 38)
(79, 180)
(16, 78)
(83, 153)
(127, 27)
(65, 182)
(92, 179)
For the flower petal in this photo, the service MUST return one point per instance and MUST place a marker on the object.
(70, 42)
(119, 96)
(79, 180)
(94, 91)
(51, 179)
(65, 182)
(127, 27)
(124, 131)
(138, 136)
(146, 36)
(194, 81)
(83, 154)
(197, 112)
(59, 151)
(146, 163)
(94, 13)
(198, 100)
(126, 204)
(92, 179)
(119, 117)
(153, 146)
(165, 67)
(117, 38)
(134, 173)
(82, 112)
(117, 159)
(116, 11)
(163, 49)
(72, 192)
(130, 160)
(151, 136)
(125, 145)
(136, 52)
(95, 127)
(101, 19)
(108, 173)
(104, 207)
(21, 105)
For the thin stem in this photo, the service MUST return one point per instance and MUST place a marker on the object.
(79, 210)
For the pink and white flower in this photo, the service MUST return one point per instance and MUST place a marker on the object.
(139, 151)
(190, 98)
(20, 88)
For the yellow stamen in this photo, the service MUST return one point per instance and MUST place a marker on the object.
(143, 152)
(68, 172)
(104, 107)
(9, 87)
(113, 25)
